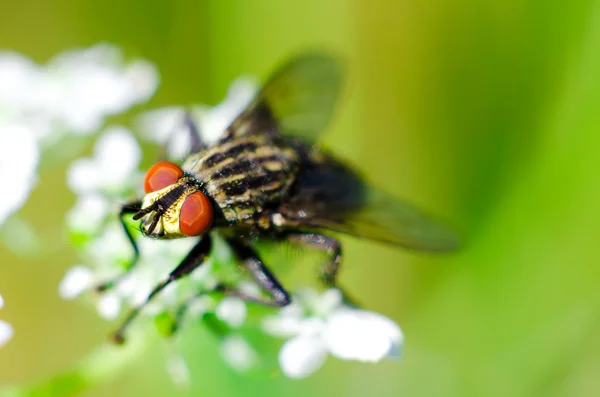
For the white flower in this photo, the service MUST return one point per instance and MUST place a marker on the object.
(19, 157)
(78, 279)
(18, 78)
(321, 325)
(75, 91)
(6, 330)
(104, 181)
(88, 214)
(166, 125)
(238, 353)
(81, 87)
(111, 249)
(116, 157)
(178, 371)
(232, 310)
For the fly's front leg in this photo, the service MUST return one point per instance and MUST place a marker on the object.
(265, 279)
(192, 260)
(127, 209)
(247, 256)
(330, 245)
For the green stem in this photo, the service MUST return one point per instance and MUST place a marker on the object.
(100, 365)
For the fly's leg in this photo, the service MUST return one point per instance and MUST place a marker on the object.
(267, 281)
(331, 268)
(330, 245)
(130, 208)
(192, 260)
(279, 297)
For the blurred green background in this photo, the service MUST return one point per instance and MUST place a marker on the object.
(483, 112)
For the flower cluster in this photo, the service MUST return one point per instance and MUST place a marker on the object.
(73, 93)
(318, 324)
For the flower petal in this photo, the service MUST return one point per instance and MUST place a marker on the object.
(143, 80)
(19, 156)
(232, 310)
(353, 334)
(117, 154)
(301, 356)
(109, 306)
(76, 280)
(238, 353)
(1, 302)
(88, 214)
(83, 176)
(287, 323)
(6, 332)
(18, 78)
(328, 302)
(178, 371)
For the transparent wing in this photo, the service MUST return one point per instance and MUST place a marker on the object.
(389, 220)
(298, 100)
(334, 198)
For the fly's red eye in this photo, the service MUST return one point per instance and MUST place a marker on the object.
(161, 175)
(196, 214)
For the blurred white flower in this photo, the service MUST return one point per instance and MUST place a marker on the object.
(78, 279)
(238, 353)
(18, 78)
(232, 310)
(111, 250)
(321, 324)
(82, 87)
(74, 92)
(88, 214)
(19, 157)
(104, 181)
(6, 330)
(178, 371)
(116, 158)
(166, 125)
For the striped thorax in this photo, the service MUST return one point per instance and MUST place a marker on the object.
(244, 175)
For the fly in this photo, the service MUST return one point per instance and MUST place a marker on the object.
(266, 178)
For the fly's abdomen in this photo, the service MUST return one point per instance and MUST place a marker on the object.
(245, 175)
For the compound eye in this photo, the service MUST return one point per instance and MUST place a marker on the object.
(196, 214)
(161, 175)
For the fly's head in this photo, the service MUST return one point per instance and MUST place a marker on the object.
(174, 206)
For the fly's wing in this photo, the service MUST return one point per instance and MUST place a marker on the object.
(334, 198)
(298, 100)
(386, 219)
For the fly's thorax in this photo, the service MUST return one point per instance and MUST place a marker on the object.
(245, 174)
(166, 204)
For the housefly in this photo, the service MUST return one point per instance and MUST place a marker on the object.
(266, 178)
